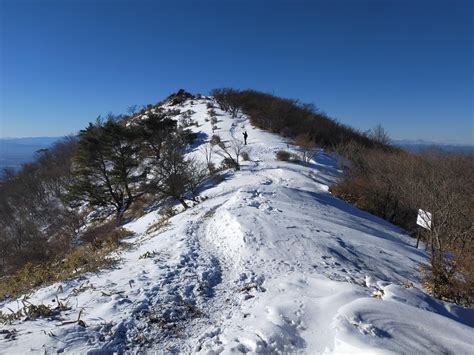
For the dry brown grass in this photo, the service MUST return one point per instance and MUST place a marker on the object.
(90, 257)
(163, 221)
(137, 209)
(283, 155)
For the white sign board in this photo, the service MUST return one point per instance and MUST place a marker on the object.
(424, 219)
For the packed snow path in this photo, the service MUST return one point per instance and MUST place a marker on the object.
(268, 262)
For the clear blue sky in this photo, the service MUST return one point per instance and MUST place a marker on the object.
(404, 63)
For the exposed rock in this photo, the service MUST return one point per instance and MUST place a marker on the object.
(179, 97)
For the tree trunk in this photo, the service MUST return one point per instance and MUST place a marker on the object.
(185, 205)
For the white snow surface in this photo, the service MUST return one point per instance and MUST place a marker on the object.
(268, 262)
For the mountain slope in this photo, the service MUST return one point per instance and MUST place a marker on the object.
(269, 261)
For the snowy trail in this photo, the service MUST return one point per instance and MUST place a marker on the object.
(268, 262)
(214, 299)
(199, 296)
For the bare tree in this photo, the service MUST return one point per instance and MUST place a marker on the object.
(306, 145)
(395, 184)
(35, 224)
(196, 174)
(228, 100)
(445, 190)
(380, 135)
(132, 109)
(231, 153)
(208, 150)
(176, 176)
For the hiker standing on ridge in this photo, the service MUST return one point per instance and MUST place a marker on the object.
(245, 137)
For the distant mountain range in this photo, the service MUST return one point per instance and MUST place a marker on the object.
(17, 151)
(419, 145)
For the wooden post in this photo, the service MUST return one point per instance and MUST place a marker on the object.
(418, 237)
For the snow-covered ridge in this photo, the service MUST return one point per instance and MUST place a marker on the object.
(269, 262)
